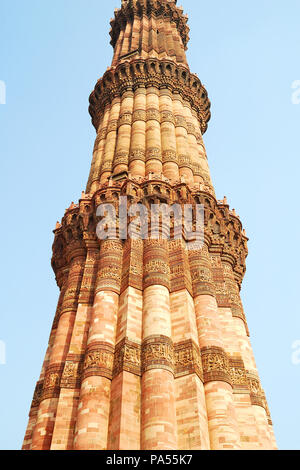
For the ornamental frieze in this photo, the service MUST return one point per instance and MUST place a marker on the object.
(169, 156)
(139, 115)
(121, 158)
(180, 121)
(125, 118)
(216, 366)
(102, 134)
(257, 394)
(167, 116)
(153, 114)
(157, 353)
(191, 128)
(106, 165)
(38, 393)
(154, 153)
(97, 141)
(157, 265)
(51, 388)
(216, 215)
(178, 79)
(221, 295)
(111, 246)
(72, 373)
(109, 272)
(156, 272)
(185, 161)
(187, 357)
(99, 361)
(137, 154)
(202, 274)
(127, 358)
(238, 376)
(112, 125)
(132, 271)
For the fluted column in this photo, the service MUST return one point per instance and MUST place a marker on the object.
(118, 47)
(63, 434)
(34, 409)
(135, 40)
(43, 432)
(158, 388)
(111, 140)
(127, 39)
(183, 152)
(120, 164)
(203, 175)
(191, 413)
(170, 46)
(94, 178)
(145, 37)
(125, 410)
(168, 136)
(239, 330)
(62, 277)
(235, 348)
(222, 421)
(93, 409)
(138, 134)
(153, 136)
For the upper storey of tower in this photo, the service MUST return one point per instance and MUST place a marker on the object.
(149, 28)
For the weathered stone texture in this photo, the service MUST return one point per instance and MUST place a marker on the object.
(150, 346)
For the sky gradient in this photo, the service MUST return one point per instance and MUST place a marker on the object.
(247, 55)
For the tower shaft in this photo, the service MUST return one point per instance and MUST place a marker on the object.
(149, 347)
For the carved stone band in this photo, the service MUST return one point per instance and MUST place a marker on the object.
(51, 388)
(238, 375)
(188, 359)
(127, 358)
(216, 365)
(37, 396)
(99, 361)
(157, 353)
(72, 373)
(257, 395)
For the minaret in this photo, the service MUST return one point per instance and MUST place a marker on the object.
(149, 347)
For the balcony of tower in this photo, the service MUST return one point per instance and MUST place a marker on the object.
(149, 28)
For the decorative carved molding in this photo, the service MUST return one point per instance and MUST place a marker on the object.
(99, 360)
(257, 394)
(157, 353)
(72, 374)
(156, 73)
(38, 394)
(127, 358)
(51, 388)
(188, 359)
(238, 375)
(216, 365)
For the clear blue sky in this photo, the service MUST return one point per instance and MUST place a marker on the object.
(247, 54)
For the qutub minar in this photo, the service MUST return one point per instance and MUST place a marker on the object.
(149, 347)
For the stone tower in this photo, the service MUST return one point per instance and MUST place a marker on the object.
(149, 347)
